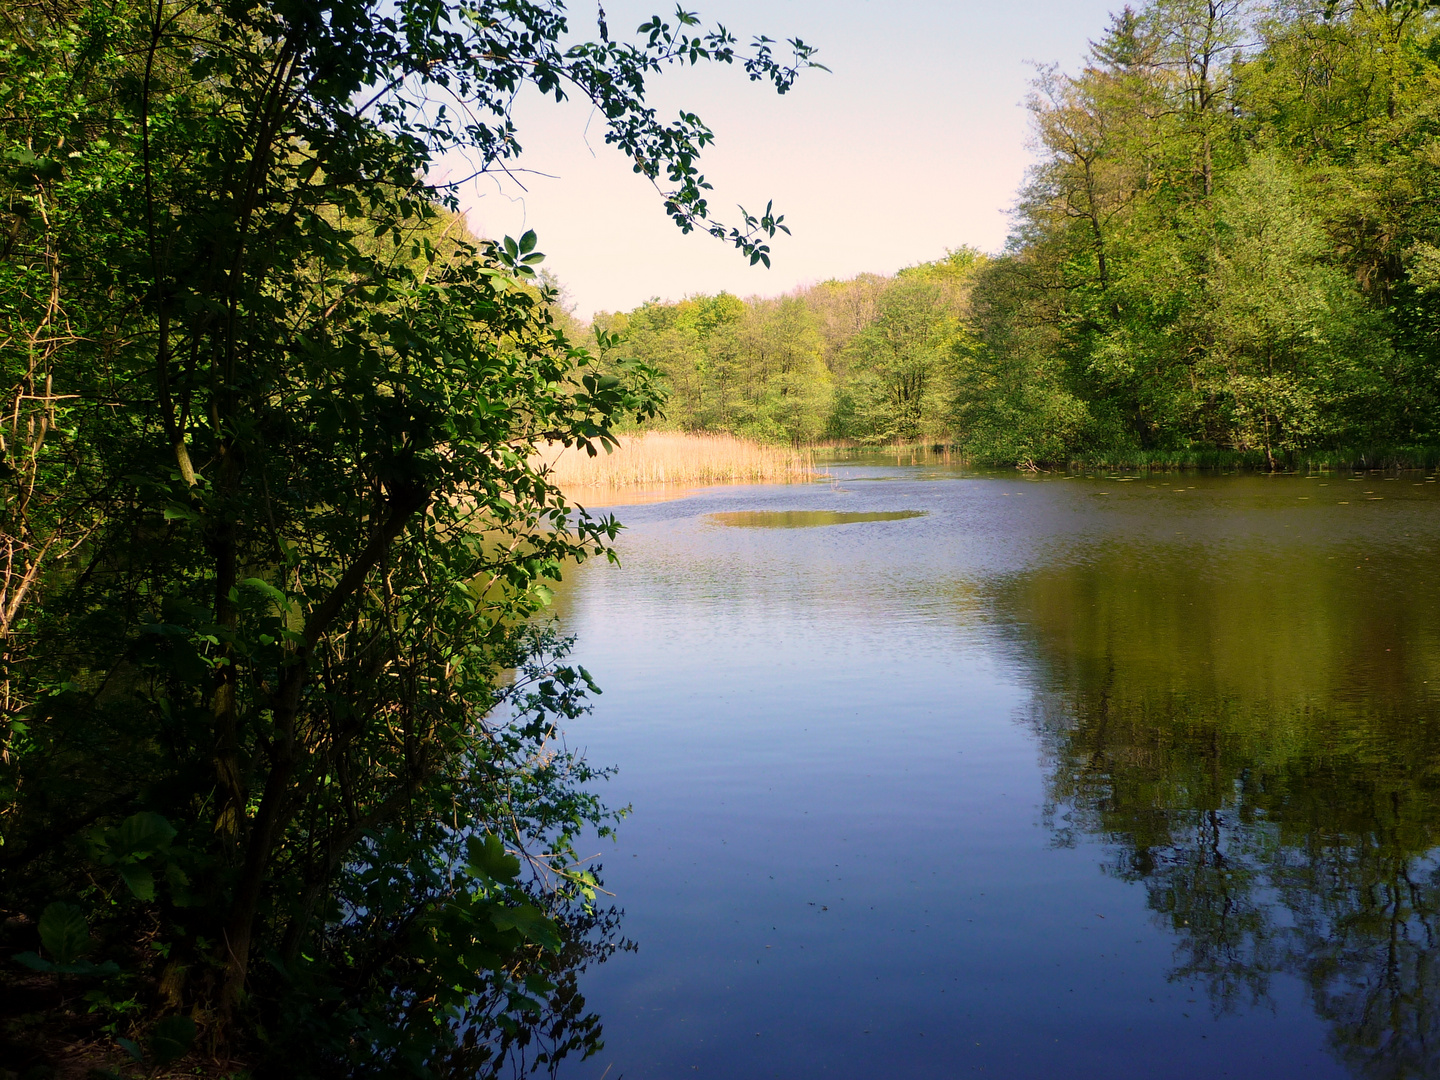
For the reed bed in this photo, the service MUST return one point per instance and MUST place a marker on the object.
(675, 459)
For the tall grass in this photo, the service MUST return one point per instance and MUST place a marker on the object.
(674, 459)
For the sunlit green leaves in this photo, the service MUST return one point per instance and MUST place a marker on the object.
(281, 442)
(489, 859)
(1229, 264)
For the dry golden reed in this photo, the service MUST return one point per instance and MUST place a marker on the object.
(674, 459)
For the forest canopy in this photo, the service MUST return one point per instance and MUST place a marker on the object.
(279, 776)
(868, 359)
(1229, 242)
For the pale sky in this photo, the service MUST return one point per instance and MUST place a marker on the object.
(915, 142)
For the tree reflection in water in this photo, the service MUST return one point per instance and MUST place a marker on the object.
(1255, 738)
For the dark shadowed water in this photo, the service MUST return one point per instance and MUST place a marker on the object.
(1057, 777)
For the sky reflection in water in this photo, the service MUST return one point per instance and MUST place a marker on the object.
(1068, 777)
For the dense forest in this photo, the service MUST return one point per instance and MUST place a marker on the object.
(279, 779)
(1229, 242)
(869, 359)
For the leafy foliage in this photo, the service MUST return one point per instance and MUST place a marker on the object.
(1222, 245)
(63, 933)
(1226, 247)
(272, 536)
(870, 359)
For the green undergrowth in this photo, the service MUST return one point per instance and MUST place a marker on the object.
(1210, 459)
(1198, 459)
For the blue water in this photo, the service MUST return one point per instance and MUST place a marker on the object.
(845, 857)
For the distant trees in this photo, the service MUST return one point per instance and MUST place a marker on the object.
(870, 359)
(753, 368)
(1229, 241)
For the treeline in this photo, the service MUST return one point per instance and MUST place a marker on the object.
(1230, 242)
(871, 359)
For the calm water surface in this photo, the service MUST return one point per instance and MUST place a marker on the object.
(1058, 777)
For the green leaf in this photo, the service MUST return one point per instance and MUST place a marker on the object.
(64, 933)
(523, 1003)
(34, 961)
(533, 925)
(487, 856)
(265, 589)
(142, 833)
(132, 1048)
(139, 880)
(171, 1039)
(527, 242)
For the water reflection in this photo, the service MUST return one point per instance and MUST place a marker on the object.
(1254, 735)
(846, 860)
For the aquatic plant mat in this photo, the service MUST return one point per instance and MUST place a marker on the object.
(672, 459)
(805, 519)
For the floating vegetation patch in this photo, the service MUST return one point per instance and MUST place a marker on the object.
(805, 519)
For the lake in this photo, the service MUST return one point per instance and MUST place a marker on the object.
(937, 773)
